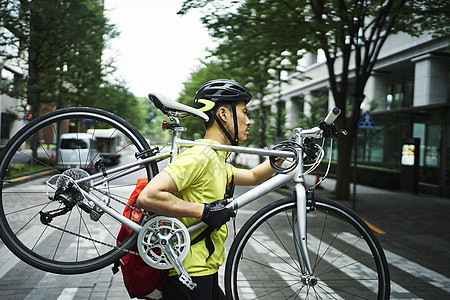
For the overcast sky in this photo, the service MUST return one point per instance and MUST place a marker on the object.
(157, 49)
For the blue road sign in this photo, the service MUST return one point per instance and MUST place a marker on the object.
(366, 121)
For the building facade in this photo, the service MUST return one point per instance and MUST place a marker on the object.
(13, 114)
(11, 117)
(408, 96)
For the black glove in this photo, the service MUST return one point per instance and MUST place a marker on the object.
(215, 214)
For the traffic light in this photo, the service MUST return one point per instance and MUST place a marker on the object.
(27, 113)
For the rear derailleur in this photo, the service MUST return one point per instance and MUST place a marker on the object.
(69, 194)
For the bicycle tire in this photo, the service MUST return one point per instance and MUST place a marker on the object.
(345, 255)
(78, 244)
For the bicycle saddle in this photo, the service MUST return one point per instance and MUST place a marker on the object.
(166, 105)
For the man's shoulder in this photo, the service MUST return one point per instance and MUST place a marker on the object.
(201, 150)
(200, 155)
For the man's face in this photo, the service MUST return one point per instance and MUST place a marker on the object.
(243, 122)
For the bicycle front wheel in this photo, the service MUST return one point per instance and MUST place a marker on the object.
(347, 260)
(44, 218)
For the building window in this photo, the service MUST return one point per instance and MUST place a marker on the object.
(400, 93)
(430, 135)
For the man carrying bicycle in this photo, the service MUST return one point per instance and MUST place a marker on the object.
(193, 186)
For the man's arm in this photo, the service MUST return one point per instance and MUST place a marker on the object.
(256, 175)
(158, 197)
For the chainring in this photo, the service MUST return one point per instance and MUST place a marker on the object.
(158, 231)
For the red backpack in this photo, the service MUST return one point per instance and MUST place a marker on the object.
(141, 280)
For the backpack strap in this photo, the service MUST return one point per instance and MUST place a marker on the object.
(206, 235)
(229, 192)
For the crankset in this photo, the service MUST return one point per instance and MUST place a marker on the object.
(164, 243)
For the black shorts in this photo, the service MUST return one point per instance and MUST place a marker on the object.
(207, 289)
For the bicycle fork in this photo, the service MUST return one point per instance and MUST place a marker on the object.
(299, 219)
(300, 238)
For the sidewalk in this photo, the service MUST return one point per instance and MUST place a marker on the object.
(415, 228)
(395, 210)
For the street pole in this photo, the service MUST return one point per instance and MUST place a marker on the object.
(355, 169)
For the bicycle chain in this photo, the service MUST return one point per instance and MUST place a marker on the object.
(93, 240)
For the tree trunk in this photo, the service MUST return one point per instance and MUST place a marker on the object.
(263, 129)
(343, 168)
(34, 94)
(345, 146)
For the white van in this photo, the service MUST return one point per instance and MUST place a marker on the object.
(76, 150)
(108, 144)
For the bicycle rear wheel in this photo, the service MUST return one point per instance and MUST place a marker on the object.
(44, 220)
(346, 257)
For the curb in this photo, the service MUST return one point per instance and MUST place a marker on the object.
(20, 179)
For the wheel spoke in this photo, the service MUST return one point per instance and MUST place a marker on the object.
(45, 219)
(267, 269)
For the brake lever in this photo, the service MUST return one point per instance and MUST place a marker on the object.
(328, 130)
(331, 130)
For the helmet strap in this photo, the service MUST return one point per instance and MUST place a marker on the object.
(236, 131)
(234, 141)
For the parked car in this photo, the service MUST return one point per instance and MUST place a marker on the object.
(76, 150)
(108, 144)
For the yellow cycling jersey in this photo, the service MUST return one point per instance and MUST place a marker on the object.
(201, 175)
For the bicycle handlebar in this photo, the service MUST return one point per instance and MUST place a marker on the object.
(332, 115)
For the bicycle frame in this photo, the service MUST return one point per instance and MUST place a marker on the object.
(275, 182)
(300, 245)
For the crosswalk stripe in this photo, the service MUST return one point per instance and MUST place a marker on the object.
(351, 239)
(399, 291)
(67, 294)
(245, 292)
(419, 271)
(7, 259)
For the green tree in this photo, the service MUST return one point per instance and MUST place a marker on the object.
(118, 100)
(345, 30)
(318, 108)
(259, 68)
(153, 122)
(59, 45)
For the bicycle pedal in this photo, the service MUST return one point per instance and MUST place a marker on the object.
(187, 281)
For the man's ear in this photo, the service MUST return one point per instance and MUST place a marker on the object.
(223, 113)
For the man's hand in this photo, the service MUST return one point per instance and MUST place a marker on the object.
(215, 214)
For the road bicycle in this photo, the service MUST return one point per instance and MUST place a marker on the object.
(66, 221)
